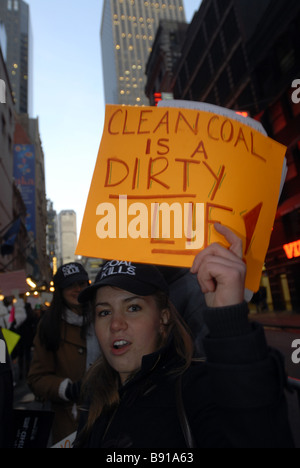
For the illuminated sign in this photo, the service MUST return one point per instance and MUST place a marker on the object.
(292, 250)
(157, 98)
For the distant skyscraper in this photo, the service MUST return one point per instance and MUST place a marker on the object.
(15, 16)
(127, 35)
(68, 236)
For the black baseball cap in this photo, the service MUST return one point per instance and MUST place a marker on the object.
(137, 278)
(69, 274)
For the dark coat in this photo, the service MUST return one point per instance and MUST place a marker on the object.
(234, 399)
(49, 369)
(6, 402)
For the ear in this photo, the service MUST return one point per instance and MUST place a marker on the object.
(165, 317)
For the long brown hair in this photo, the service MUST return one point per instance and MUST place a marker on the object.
(101, 384)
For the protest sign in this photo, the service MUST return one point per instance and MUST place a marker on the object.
(164, 176)
(32, 428)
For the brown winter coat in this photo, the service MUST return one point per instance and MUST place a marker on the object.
(49, 369)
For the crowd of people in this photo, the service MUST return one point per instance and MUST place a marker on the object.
(157, 357)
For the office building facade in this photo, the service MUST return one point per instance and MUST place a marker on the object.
(15, 16)
(245, 55)
(127, 36)
(67, 236)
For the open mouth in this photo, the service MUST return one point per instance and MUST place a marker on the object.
(120, 344)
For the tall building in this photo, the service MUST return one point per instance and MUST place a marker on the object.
(52, 236)
(162, 62)
(127, 35)
(12, 208)
(245, 55)
(15, 16)
(29, 176)
(68, 236)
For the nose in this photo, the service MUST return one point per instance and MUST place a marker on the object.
(118, 322)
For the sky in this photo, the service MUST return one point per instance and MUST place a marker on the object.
(68, 96)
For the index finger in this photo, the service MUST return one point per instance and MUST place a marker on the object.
(236, 244)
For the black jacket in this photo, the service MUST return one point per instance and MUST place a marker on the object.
(6, 402)
(234, 399)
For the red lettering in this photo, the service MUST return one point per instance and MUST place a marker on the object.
(125, 125)
(241, 137)
(251, 220)
(218, 177)
(148, 147)
(292, 250)
(136, 174)
(108, 179)
(202, 148)
(253, 151)
(162, 143)
(153, 177)
(209, 221)
(186, 173)
(215, 117)
(223, 132)
(142, 121)
(163, 121)
(110, 122)
(193, 128)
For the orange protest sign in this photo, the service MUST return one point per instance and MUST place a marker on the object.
(164, 176)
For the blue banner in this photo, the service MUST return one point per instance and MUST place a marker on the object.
(24, 174)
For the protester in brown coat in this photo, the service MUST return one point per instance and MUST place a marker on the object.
(65, 346)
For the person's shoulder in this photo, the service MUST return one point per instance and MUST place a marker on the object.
(197, 370)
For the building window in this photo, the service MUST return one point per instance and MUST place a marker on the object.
(9, 5)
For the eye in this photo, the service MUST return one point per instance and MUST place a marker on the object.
(134, 308)
(103, 313)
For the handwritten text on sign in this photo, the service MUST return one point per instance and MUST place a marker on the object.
(163, 178)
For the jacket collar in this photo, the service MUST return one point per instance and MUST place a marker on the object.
(161, 362)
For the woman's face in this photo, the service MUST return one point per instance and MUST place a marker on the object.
(71, 294)
(128, 327)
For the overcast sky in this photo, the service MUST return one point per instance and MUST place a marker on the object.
(68, 94)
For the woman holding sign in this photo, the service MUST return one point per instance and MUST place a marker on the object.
(147, 391)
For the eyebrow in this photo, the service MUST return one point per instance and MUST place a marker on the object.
(129, 299)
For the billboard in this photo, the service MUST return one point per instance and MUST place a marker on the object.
(24, 175)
